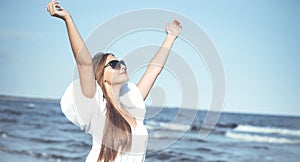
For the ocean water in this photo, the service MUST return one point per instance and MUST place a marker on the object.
(35, 130)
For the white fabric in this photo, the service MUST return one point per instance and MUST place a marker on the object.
(89, 115)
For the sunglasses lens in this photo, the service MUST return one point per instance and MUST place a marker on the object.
(123, 63)
(116, 64)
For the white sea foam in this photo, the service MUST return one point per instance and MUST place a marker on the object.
(267, 130)
(3, 135)
(168, 126)
(260, 138)
(150, 125)
(31, 105)
(176, 127)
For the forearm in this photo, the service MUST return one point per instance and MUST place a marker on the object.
(159, 59)
(80, 51)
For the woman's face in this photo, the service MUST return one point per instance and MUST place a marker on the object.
(114, 76)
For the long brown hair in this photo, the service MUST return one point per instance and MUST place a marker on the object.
(117, 132)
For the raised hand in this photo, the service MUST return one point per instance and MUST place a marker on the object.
(55, 9)
(173, 29)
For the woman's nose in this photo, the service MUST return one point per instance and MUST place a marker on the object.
(123, 67)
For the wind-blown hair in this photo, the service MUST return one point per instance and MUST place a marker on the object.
(117, 135)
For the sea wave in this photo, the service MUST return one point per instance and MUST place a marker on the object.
(3, 135)
(260, 138)
(151, 125)
(8, 120)
(40, 155)
(9, 112)
(266, 130)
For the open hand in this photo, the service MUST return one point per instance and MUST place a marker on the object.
(56, 10)
(174, 29)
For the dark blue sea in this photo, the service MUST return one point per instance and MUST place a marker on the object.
(35, 130)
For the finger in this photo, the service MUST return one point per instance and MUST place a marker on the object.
(176, 22)
(49, 5)
(167, 27)
(49, 8)
(178, 27)
(173, 26)
(53, 2)
(52, 10)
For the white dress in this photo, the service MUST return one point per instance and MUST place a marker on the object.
(89, 115)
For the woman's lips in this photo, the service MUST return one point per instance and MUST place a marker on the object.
(123, 72)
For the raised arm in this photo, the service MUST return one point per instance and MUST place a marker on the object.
(158, 61)
(80, 51)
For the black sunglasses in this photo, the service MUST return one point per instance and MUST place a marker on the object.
(115, 64)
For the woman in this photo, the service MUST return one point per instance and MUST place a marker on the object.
(103, 103)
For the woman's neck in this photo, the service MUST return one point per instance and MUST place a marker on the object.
(114, 93)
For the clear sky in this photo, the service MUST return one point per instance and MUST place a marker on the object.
(258, 42)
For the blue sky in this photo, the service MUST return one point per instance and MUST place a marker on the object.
(258, 42)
